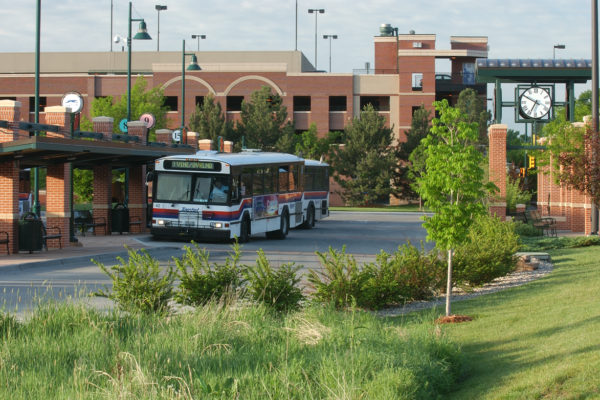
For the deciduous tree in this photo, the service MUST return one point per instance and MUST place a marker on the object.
(452, 182)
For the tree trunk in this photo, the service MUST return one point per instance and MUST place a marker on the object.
(449, 284)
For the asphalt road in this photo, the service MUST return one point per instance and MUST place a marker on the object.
(363, 234)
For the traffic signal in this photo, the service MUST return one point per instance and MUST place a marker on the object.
(530, 162)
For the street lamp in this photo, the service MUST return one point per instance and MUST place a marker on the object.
(316, 11)
(198, 37)
(192, 67)
(36, 171)
(557, 46)
(141, 35)
(330, 37)
(158, 8)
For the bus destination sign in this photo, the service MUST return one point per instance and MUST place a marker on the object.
(192, 165)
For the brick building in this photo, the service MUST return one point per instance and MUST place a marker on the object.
(403, 78)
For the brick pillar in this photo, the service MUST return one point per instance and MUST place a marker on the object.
(58, 201)
(164, 136)
(101, 204)
(104, 125)
(61, 116)
(58, 179)
(137, 196)
(497, 164)
(321, 119)
(9, 111)
(139, 129)
(228, 146)
(205, 144)
(9, 204)
(192, 139)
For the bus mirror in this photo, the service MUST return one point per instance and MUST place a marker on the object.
(149, 177)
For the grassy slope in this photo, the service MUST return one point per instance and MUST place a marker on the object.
(537, 341)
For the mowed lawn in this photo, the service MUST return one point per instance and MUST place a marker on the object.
(537, 341)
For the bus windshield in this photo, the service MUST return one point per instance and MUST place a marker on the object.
(197, 188)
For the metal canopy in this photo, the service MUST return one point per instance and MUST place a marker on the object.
(533, 70)
(44, 151)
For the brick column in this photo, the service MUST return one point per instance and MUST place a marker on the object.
(9, 204)
(9, 111)
(137, 195)
(137, 128)
(164, 136)
(228, 144)
(102, 201)
(205, 144)
(192, 139)
(497, 166)
(104, 125)
(58, 201)
(321, 119)
(61, 116)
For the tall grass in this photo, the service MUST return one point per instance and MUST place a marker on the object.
(70, 351)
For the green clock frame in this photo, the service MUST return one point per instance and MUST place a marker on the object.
(520, 89)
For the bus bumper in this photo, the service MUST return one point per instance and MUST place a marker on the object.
(190, 233)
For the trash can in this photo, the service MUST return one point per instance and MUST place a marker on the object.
(119, 218)
(30, 233)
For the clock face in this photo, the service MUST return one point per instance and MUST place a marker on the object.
(74, 101)
(535, 102)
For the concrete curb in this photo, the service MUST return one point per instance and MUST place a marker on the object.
(160, 253)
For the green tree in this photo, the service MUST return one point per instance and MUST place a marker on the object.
(452, 184)
(364, 165)
(264, 122)
(210, 122)
(471, 104)
(142, 101)
(310, 145)
(404, 178)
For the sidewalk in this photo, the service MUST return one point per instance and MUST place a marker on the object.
(101, 248)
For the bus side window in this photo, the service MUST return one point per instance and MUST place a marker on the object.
(235, 189)
(246, 187)
(284, 179)
(257, 182)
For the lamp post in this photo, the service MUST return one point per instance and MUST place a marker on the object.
(36, 187)
(158, 8)
(330, 37)
(192, 67)
(557, 46)
(141, 35)
(198, 37)
(316, 11)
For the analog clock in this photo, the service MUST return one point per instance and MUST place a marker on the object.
(535, 102)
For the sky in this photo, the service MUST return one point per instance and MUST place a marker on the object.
(515, 28)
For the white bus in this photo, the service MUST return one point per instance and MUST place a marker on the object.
(213, 195)
(315, 196)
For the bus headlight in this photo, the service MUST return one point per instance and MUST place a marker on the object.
(217, 225)
(160, 222)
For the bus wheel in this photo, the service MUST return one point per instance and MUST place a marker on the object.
(245, 231)
(284, 227)
(310, 218)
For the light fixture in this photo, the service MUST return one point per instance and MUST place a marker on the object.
(158, 8)
(330, 37)
(198, 37)
(316, 11)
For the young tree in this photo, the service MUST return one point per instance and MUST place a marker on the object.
(363, 166)
(452, 183)
(264, 122)
(310, 145)
(210, 122)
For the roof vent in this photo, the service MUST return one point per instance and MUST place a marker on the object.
(411, 32)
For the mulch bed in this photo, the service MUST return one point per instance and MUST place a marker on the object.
(453, 319)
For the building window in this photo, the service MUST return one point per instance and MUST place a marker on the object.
(171, 103)
(337, 103)
(379, 103)
(301, 103)
(417, 81)
(42, 104)
(200, 101)
(415, 109)
(234, 103)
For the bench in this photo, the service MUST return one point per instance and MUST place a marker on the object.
(84, 221)
(4, 240)
(545, 225)
(50, 233)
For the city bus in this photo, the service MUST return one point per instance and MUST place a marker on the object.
(315, 195)
(211, 195)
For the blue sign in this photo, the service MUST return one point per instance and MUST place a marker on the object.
(123, 125)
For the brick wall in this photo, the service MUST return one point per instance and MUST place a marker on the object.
(61, 116)
(139, 129)
(58, 201)
(137, 196)
(9, 111)
(9, 204)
